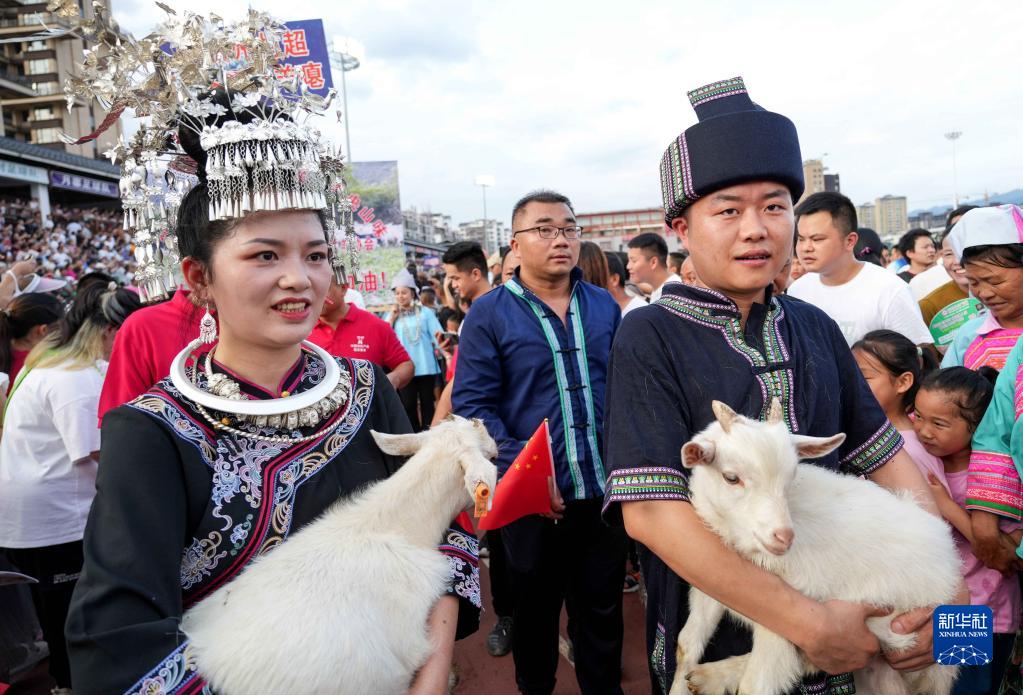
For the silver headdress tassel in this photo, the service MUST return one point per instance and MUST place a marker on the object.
(222, 82)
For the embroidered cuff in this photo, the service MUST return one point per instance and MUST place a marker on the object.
(873, 453)
(462, 551)
(993, 485)
(175, 674)
(636, 484)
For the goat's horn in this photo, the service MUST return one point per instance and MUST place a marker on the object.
(725, 415)
(774, 414)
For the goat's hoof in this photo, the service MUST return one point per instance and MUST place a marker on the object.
(709, 679)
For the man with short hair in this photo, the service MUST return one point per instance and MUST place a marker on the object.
(648, 263)
(617, 275)
(917, 247)
(860, 297)
(675, 261)
(536, 349)
(729, 182)
(466, 265)
(345, 330)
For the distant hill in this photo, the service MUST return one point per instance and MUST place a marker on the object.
(1015, 196)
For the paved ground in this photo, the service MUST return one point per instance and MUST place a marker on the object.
(482, 673)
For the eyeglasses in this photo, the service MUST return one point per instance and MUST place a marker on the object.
(549, 231)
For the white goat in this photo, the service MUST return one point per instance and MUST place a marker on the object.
(829, 536)
(341, 606)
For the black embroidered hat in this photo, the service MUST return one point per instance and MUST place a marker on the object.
(735, 141)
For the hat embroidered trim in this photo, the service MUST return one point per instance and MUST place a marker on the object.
(677, 178)
(716, 90)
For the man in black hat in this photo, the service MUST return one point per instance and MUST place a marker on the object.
(729, 183)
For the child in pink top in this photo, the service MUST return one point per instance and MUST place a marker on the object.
(949, 406)
(893, 367)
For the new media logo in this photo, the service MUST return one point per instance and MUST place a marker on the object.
(963, 635)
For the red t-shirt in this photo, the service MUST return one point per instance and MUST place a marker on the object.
(361, 335)
(144, 348)
(17, 362)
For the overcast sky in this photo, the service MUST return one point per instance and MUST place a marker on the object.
(583, 97)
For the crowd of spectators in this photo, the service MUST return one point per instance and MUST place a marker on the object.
(66, 244)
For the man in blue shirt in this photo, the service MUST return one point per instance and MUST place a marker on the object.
(535, 348)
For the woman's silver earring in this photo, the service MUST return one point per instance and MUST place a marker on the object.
(208, 327)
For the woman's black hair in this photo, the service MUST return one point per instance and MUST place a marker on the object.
(868, 246)
(104, 307)
(1000, 255)
(969, 390)
(96, 276)
(898, 355)
(24, 313)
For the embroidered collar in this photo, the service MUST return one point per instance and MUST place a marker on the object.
(709, 299)
(574, 278)
(293, 381)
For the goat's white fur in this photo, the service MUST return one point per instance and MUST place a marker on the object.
(342, 605)
(853, 541)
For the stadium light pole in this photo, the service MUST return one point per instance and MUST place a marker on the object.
(341, 56)
(954, 135)
(484, 181)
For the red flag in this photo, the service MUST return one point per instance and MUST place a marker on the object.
(526, 486)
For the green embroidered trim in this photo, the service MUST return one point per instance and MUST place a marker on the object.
(716, 90)
(658, 663)
(877, 450)
(559, 372)
(776, 383)
(591, 413)
(633, 484)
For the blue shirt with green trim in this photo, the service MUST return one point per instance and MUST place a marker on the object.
(519, 363)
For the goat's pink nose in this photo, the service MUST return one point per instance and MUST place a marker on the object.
(784, 536)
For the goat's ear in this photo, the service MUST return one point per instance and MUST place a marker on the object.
(697, 453)
(815, 447)
(398, 444)
(725, 415)
(775, 413)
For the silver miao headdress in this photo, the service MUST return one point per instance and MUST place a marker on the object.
(262, 151)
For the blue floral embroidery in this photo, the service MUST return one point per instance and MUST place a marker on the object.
(237, 465)
(170, 675)
(462, 551)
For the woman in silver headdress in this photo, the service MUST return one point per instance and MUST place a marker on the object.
(255, 432)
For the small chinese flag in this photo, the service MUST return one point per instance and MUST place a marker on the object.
(525, 487)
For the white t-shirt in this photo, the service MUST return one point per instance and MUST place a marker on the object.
(47, 480)
(656, 294)
(926, 282)
(634, 303)
(873, 299)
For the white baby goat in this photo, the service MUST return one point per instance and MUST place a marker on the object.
(830, 536)
(341, 606)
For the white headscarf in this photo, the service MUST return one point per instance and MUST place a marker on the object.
(993, 226)
(405, 279)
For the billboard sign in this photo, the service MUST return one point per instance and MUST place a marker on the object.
(380, 228)
(85, 184)
(306, 53)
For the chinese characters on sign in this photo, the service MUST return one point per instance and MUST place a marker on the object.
(379, 229)
(306, 54)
